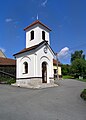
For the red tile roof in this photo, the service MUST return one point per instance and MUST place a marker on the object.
(34, 47)
(7, 61)
(30, 48)
(37, 22)
(55, 62)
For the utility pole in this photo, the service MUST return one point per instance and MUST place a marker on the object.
(57, 65)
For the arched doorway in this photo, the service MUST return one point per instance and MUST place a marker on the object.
(44, 72)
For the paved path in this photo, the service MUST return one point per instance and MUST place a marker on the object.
(58, 103)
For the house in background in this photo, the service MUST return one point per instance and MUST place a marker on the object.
(2, 54)
(7, 66)
(57, 69)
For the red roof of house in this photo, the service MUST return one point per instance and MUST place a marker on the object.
(37, 22)
(55, 62)
(7, 61)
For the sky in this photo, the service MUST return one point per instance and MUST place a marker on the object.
(66, 19)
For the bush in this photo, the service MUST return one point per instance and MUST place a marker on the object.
(11, 81)
(4, 80)
(83, 94)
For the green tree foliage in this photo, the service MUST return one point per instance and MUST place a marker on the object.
(78, 68)
(77, 55)
(78, 64)
(65, 69)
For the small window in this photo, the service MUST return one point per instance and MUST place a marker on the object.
(32, 35)
(55, 71)
(43, 35)
(25, 67)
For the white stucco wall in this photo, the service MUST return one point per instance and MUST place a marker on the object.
(37, 35)
(20, 70)
(34, 61)
(48, 58)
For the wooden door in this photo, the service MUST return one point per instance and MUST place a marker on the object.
(44, 72)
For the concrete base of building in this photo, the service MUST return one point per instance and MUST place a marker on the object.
(34, 83)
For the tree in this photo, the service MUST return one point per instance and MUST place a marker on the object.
(77, 55)
(78, 68)
(65, 69)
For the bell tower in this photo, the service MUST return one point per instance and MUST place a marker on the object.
(36, 33)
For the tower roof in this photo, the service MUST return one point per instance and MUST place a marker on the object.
(37, 22)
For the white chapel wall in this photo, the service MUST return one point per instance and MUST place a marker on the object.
(25, 58)
(42, 57)
(37, 35)
(35, 64)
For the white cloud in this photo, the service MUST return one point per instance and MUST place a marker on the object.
(8, 20)
(2, 49)
(64, 52)
(13, 22)
(44, 3)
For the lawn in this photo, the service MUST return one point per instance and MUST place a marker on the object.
(70, 77)
(83, 80)
(67, 77)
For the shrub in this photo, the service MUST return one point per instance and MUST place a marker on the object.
(83, 94)
(7, 80)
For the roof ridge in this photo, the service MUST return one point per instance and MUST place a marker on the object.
(36, 22)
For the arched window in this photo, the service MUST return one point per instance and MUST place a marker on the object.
(43, 35)
(32, 35)
(25, 67)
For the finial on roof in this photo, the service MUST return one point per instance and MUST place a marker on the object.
(37, 17)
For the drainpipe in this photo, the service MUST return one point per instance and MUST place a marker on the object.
(35, 65)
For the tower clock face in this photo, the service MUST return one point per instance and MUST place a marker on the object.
(45, 49)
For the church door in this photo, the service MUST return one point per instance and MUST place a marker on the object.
(44, 72)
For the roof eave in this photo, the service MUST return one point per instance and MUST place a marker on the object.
(34, 47)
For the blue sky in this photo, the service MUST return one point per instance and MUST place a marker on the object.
(66, 18)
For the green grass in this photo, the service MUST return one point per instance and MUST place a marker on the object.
(83, 80)
(70, 77)
(67, 77)
(83, 94)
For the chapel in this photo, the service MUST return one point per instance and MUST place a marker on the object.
(34, 64)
